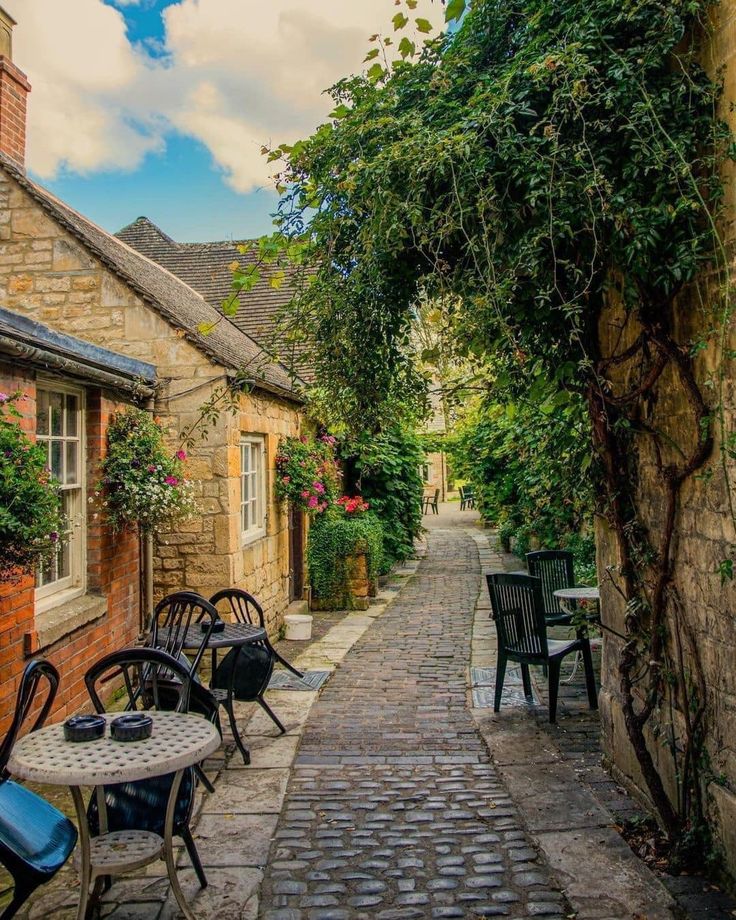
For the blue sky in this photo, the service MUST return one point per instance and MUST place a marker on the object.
(161, 107)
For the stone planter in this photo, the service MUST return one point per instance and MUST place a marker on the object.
(356, 590)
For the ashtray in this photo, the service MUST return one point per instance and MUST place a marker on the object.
(217, 627)
(135, 726)
(84, 728)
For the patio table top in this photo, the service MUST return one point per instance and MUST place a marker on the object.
(178, 740)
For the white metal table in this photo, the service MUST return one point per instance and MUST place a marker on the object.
(582, 598)
(177, 741)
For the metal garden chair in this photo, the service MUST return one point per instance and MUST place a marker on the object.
(36, 839)
(152, 679)
(556, 570)
(245, 672)
(176, 619)
(518, 612)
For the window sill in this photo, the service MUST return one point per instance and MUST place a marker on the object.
(252, 536)
(57, 622)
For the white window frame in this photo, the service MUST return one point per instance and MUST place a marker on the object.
(73, 585)
(253, 488)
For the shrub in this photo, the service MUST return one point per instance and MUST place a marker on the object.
(386, 471)
(334, 537)
(31, 521)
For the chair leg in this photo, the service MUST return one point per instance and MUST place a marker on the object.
(526, 678)
(21, 893)
(589, 675)
(264, 705)
(245, 753)
(554, 686)
(286, 664)
(500, 675)
(202, 777)
(186, 836)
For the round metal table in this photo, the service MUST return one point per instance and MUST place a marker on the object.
(178, 741)
(571, 601)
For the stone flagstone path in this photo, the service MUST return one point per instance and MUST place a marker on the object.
(393, 809)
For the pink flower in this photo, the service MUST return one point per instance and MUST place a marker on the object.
(305, 494)
(151, 468)
(286, 480)
(4, 397)
(181, 455)
(171, 481)
(313, 502)
(318, 487)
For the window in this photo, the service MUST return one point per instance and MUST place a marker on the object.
(252, 487)
(59, 426)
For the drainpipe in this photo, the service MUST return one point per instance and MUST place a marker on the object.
(146, 557)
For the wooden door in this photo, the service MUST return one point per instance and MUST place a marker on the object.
(296, 553)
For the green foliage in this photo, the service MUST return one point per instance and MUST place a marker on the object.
(529, 471)
(142, 484)
(520, 163)
(30, 508)
(386, 470)
(332, 538)
(306, 474)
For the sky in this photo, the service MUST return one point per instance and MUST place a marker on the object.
(161, 107)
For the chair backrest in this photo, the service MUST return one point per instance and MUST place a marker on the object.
(172, 619)
(152, 679)
(34, 673)
(516, 601)
(556, 569)
(243, 606)
(436, 496)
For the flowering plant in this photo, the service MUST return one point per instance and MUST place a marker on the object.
(30, 506)
(306, 472)
(142, 483)
(354, 505)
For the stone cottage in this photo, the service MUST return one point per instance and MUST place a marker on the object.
(89, 595)
(61, 270)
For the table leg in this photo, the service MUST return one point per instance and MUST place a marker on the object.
(169, 847)
(85, 870)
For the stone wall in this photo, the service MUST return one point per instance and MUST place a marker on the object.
(705, 536)
(46, 273)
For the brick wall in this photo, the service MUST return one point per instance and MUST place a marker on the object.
(113, 579)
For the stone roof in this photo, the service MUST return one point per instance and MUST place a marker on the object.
(183, 307)
(205, 268)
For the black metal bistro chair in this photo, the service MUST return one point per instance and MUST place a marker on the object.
(175, 619)
(152, 679)
(518, 612)
(245, 671)
(36, 839)
(556, 570)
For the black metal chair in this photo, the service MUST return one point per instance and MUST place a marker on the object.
(518, 612)
(172, 621)
(556, 570)
(245, 671)
(36, 839)
(152, 679)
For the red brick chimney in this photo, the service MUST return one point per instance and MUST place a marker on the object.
(14, 89)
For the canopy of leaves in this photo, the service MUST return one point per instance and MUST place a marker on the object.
(520, 162)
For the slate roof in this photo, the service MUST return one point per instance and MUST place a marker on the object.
(204, 267)
(184, 308)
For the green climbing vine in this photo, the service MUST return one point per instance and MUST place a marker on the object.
(333, 539)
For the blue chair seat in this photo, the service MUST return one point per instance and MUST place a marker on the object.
(33, 831)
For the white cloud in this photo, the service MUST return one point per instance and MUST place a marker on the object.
(235, 74)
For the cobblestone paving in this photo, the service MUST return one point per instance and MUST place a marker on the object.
(394, 810)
